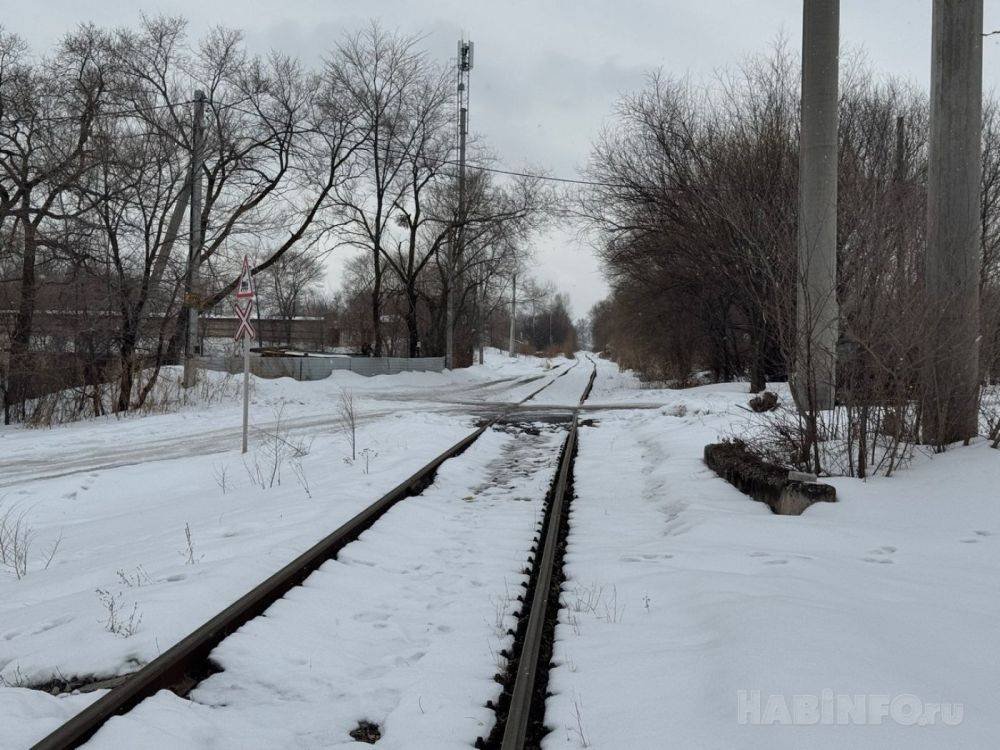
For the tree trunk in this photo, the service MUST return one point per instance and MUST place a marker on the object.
(377, 305)
(127, 350)
(20, 339)
(412, 331)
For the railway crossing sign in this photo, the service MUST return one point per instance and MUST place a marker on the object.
(245, 327)
(244, 331)
(244, 289)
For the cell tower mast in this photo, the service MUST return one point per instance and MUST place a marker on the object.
(464, 65)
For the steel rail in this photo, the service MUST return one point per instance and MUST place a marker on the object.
(519, 711)
(183, 664)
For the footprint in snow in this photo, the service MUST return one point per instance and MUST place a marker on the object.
(371, 616)
(880, 555)
(373, 673)
(981, 533)
(50, 625)
(644, 558)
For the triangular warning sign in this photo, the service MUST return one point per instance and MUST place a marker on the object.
(244, 289)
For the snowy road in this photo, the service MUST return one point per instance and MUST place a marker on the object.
(111, 443)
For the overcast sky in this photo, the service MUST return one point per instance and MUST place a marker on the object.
(546, 73)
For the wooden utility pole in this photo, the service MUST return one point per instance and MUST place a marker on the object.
(194, 296)
(817, 311)
(456, 246)
(953, 252)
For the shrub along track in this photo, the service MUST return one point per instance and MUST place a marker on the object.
(521, 707)
(188, 662)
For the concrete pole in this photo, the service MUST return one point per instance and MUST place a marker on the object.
(483, 320)
(816, 358)
(513, 317)
(195, 240)
(953, 252)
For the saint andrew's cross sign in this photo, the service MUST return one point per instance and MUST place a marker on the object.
(245, 332)
(244, 328)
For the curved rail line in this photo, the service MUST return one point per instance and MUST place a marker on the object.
(187, 662)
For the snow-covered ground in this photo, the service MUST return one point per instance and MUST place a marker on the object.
(403, 630)
(121, 496)
(694, 618)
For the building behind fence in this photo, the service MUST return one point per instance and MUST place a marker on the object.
(318, 368)
(314, 333)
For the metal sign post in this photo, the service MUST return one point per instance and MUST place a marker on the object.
(244, 331)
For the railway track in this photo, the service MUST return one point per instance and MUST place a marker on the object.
(188, 662)
(521, 707)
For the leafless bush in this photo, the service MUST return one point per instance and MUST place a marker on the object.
(210, 388)
(276, 448)
(16, 539)
(134, 579)
(348, 414)
(599, 601)
(118, 619)
(989, 414)
(300, 476)
(501, 610)
(15, 542)
(368, 454)
(14, 678)
(162, 393)
(188, 553)
(578, 716)
(848, 440)
(221, 473)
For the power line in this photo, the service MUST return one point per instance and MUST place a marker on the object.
(398, 152)
(480, 167)
(133, 112)
(395, 151)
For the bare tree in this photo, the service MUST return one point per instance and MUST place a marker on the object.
(287, 284)
(47, 119)
(384, 75)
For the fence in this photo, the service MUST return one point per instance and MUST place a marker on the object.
(317, 368)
